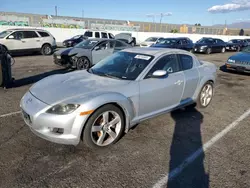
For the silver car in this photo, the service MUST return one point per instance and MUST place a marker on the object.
(99, 104)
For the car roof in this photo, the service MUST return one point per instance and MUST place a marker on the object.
(152, 51)
(26, 29)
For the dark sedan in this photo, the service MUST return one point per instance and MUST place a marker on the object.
(74, 40)
(183, 43)
(87, 53)
(240, 61)
(236, 45)
(210, 45)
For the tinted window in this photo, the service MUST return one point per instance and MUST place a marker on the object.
(119, 44)
(30, 34)
(168, 63)
(104, 35)
(43, 34)
(88, 34)
(97, 35)
(186, 61)
(87, 44)
(184, 41)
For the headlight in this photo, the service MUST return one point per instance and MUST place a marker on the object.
(230, 61)
(63, 109)
(74, 58)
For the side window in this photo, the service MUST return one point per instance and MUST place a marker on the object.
(30, 34)
(168, 63)
(43, 34)
(97, 35)
(118, 44)
(88, 34)
(184, 41)
(106, 45)
(104, 35)
(186, 62)
(18, 35)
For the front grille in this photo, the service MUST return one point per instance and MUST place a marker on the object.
(243, 62)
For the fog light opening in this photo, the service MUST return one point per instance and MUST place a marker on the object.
(57, 130)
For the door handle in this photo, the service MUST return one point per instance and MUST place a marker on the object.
(37, 40)
(179, 82)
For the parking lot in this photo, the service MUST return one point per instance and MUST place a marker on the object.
(147, 155)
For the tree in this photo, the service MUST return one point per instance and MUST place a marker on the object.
(197, 24)
(174, 31)
(241, 32)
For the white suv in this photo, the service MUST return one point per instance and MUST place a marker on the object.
(28, 40)
(98, 34)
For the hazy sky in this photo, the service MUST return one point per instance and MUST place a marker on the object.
(180, 11)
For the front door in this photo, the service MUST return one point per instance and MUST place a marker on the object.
(104, 49)
(161, 94)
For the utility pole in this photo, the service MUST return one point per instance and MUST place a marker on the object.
(82, 13)
(56, 10)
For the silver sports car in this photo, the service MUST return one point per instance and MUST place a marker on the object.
(99, 104)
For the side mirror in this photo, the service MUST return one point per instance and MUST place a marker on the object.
(159, 74)
(11, 37)
(97, 48)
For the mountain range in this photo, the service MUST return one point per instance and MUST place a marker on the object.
(241, 25)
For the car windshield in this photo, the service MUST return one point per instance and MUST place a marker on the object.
(246, 49)
(204, 41)
(76, 37)
(87, 44)
(4, 33)
(122, 65)
(167, 41)
(151, 39)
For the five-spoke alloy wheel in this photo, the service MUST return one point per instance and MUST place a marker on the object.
(104, 127)
(206, 95)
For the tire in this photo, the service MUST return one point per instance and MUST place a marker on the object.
(46, 49)
(200, 103)
(223, 50)
(208, 51)
(82, 63)
(99, 137)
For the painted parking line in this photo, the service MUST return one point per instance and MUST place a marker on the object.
(163, 181)
(10, 114)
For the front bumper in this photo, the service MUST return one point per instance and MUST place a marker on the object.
(238, 67)
(62, 60)
(47, 125)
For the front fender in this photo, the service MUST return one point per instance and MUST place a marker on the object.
(95, 101)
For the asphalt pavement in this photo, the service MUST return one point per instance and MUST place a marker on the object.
(147, 156)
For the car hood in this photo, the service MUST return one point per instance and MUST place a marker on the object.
(241, 56)
(68, 40)
(71, 51)
(62, 87)
(200, 44)
(147, 43)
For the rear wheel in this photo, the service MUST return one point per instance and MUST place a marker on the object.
(46, 49)
(206, 95)
(82, 63)
(104, 127)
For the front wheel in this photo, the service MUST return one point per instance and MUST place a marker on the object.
(208, 51)
(223, 50)
(206, 95)
(105, 127)
(82, 63)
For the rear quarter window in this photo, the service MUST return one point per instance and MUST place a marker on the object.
(186, 61)
(43, 34)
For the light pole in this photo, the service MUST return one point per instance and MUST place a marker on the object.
(162, 15)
